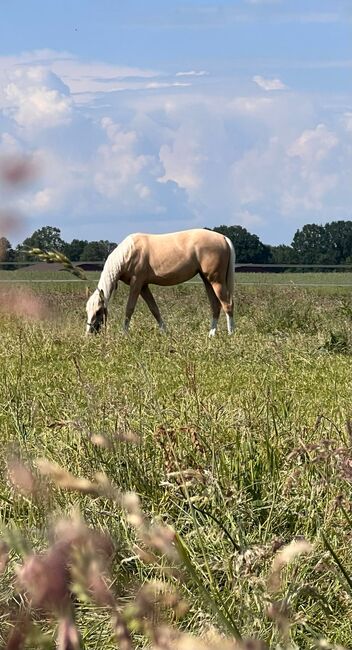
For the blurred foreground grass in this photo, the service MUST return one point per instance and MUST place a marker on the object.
(241, 444)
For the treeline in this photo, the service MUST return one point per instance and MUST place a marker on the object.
(312, 244)
(49, 238)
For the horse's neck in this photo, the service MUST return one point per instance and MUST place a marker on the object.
(114, 266)
(108, 279)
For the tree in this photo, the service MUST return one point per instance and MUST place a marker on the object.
(75, 249)
(7, 254)
(97, 251)
(310, 244)
(248, 247)
(47, 238)
(339, 235)
(282, 254)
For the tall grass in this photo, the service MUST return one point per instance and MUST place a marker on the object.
(242, 445)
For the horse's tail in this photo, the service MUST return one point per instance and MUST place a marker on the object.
(230, 274)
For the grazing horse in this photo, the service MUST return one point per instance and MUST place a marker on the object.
(166, 260)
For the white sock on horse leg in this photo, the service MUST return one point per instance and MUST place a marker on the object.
(162, 326)
(230, 325)
(213, 328)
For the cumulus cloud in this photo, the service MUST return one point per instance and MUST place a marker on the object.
(250, 105)
(58, 187)
(118, 162)
(170, 156)
(313, 145)
(37, 98)
(269, 84)
(182, 159)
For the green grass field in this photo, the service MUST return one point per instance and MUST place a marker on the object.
(240, 444)
(287, 278)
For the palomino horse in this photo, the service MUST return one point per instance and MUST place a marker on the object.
(166, 260)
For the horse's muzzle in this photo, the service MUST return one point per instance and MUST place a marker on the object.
(93, 328)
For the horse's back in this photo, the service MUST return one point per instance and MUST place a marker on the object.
(178, 256)
(186, 239)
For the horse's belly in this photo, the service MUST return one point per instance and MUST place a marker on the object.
(171, 280)
(176, 275)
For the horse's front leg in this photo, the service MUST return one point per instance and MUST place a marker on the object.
(150, 301)
(131, 303)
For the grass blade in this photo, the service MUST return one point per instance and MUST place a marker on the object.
(338, 562)
(225, 620)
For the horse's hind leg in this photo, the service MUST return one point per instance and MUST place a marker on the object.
(150, 301)
(226, 301)
(214, 304)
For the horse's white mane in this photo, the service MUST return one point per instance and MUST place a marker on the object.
(114, 265)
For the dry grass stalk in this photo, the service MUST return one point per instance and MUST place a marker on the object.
(111, 442)
(63, 479)
(4, 556)
(68, 637)
(161, 538)
(21, 478)
(155, 536)
(16, 639)
(284, 557)
(51, 257)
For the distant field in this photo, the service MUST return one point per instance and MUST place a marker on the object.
(305, 279)
(291, 279)
(244, 445)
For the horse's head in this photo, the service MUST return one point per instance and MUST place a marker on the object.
(97, 312)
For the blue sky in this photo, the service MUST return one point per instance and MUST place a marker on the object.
(159, 116)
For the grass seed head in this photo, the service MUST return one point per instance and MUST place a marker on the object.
(284, 557)
(20, 477)
(68, 637)
(45, 578)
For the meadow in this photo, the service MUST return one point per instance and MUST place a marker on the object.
(241, 445)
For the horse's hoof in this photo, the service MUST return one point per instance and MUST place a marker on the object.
(212, 333)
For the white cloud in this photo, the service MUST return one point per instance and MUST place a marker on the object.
(174, 157)
(9, 144)
(269, 84)
(192, 73)
(250, 105)
(308, 196)
(59, 187)
(164, 84)
(143, 191)
(182, 159)
(248, 219)
(118, 163)
(347, 121)
(313, 145)
(252, 174)
(37, 98)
